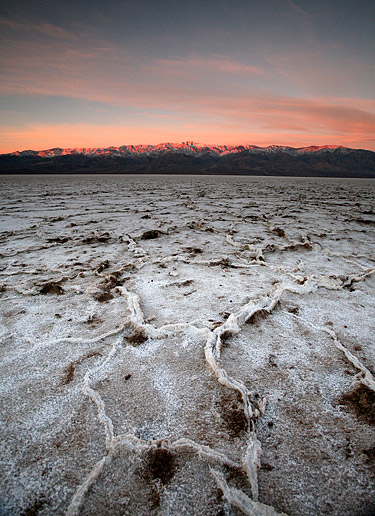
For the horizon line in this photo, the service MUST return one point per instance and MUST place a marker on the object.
(187, 143)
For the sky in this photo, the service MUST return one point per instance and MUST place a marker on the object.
(88, 73)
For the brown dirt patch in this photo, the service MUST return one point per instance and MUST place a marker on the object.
(232, 415)
(360, 400)
(151, 234)
(102, 297)
(160, 465)
(139, 337)
(52, 287)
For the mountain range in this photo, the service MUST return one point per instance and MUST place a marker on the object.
(193, 158)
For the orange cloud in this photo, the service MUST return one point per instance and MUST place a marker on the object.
(38, 137)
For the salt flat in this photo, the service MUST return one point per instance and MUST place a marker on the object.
(187, 346)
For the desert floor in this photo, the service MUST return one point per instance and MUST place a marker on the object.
(187, 346)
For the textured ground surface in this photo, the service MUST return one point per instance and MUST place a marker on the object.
(187, 346)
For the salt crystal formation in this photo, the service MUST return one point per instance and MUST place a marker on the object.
(187, 346)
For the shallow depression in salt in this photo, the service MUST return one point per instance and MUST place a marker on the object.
(179, 345)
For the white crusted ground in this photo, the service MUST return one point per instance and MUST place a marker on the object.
(187, 346)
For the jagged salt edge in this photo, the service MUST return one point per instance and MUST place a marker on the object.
(204, 452)
(232, 326)
(96, 398)
(240, 500)
(251, 461)
(206, 263)
(133, 443)
(79, 495)
(359, 277)
(94, 474)
(69, 340)
(367, 378)
(136, 319)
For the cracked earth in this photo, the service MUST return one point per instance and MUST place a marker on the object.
(187, 346)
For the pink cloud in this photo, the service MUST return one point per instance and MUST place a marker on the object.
(96, 70)
(46, 29)
(322, 73)
(215, 62)
(75, 72)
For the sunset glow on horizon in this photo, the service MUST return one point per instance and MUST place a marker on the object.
(285, 72)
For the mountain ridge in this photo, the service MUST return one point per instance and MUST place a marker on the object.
(194, 158)
(184, 147)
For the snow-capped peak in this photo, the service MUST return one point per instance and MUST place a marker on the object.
(188, 147)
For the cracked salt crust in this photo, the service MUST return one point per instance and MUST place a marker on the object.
(208, 349)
